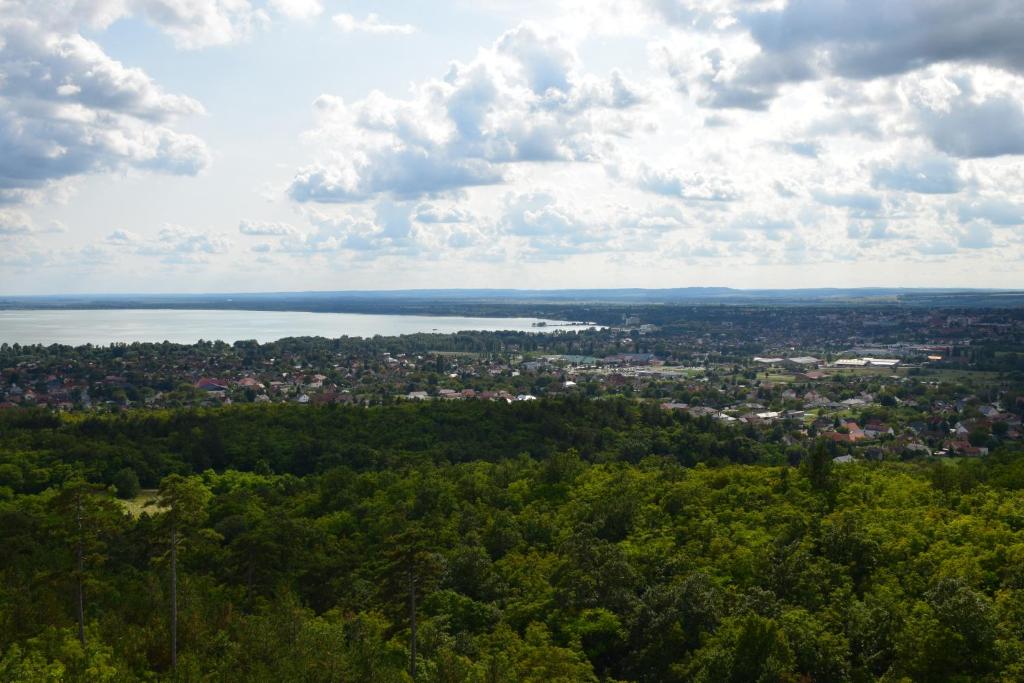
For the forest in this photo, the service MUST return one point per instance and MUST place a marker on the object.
(553, 540)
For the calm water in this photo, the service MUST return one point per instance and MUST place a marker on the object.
(76, 327)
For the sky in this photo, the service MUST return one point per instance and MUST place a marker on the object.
(287, 145)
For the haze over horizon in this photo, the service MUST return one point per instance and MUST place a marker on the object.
(154, 146)
(496, 291)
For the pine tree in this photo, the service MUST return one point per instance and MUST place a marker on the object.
(183, 500)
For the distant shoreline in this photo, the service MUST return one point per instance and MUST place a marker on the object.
(518, 302)
(76, 327)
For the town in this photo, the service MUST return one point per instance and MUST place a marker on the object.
(876, 382)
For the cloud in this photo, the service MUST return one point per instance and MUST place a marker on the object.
(802, 40)
(371, 24)
(402, 172)
(871, 38)
(173, 244)
(975, 236)
(191, 24)
(771, 228)
(543, 228)
(969, 128)
(860, 204)
(538, 225)
(184, 240)
(862, 123)
(783, 190)
(664, 218)
(693, 186)
(174, 153)
(194, 25)
(539, 215)
(432, 213)
(298, 9)
(934, 175)
(18, 195)
(935, 248)
(804, 148)
(995, 210)
(524, 153)
(14, 223)
(544, 61)
(727, 234)
(71, 71)
(265, 229)
(121, 237)
(387, 228)
(67, 109)
(523, 100)
(719, 80)
(871, 231)
(25, 257)
(394, 220)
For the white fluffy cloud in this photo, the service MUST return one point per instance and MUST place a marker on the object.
(265, 229)
(14, 223)
(434, 213)
(298, 9)
(972, 126)
(525, 99)
(172, 245)
(807, 40)
(998, 211)
(196, 24)
(692, 185)
(645, 139)
(931, 175)
(817, 153)
(371, 24)
(191, 24)
(66, 109)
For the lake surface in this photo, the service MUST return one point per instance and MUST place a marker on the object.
(77, 327)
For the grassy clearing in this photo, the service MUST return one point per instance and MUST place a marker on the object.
(458, 354)
(144, 502)
(778, 379)
(869, 371)
(672, 372)
(970, 377)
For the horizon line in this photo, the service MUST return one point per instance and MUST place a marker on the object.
(407, 290)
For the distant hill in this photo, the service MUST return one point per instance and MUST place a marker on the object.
(452, 300)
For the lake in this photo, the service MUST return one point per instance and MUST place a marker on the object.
(77, 327)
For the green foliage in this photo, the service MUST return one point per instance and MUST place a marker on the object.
(552, 554)
(744, 649)
(183, 501)
(57, 655)
(126, 483)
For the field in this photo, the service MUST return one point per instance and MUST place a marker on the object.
(968, 377)
(144, 502)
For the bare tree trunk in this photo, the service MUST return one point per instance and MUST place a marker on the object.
(80, 570)
(81, 600)
(412, 623)
(248, 583)
(174, 599)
